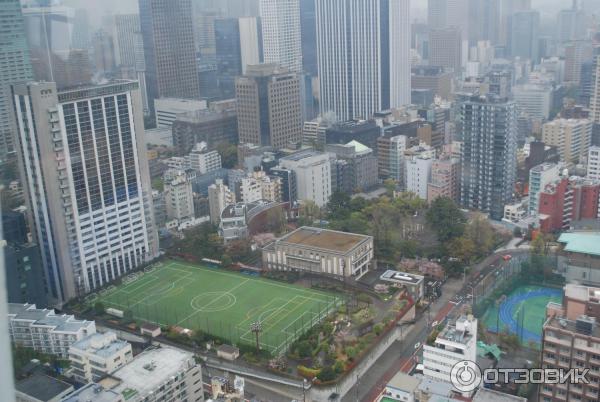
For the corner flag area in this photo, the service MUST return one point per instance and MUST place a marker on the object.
(220, 303)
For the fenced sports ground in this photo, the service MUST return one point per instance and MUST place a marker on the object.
(522, 313)
(220, 303)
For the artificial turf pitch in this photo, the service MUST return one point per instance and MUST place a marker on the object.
(221, 303)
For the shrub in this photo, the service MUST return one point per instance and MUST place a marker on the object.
(326, 374)
(304, 349)
(308, 372)
(99, 308)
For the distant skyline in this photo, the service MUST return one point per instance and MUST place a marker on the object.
(548, 8)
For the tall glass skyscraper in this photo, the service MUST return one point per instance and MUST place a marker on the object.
(15, 67)
(282, 42)
(363, 52)
(489, 157)
(169, 49)
(87, 182)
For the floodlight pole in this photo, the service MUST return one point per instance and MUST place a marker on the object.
(256, 327)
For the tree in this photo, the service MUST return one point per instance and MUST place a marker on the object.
(201, 242)
(239, 250)
(276, 220)
(517, 232)
(304, 349)
(228, 154)
(390, 186)
(446, 219)
(461, 248)
(99, 308)
(326, 374)
(339, 205)
(309, 212)
(481, 233)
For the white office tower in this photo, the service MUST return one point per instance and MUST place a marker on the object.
(593, 167)
(282, 44)
(179, 197)
(83, 156)
(456, 343)
(313, 175)
(419, 162)
(219, 196)
(363, 53)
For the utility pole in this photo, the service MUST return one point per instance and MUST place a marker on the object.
(256, 328)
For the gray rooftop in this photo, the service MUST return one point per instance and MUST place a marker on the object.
(433, 387)
(103, 345)
(150, 369)
(45, 317)
(404, 382)
(488, 395)
(93, 393)
(42, 387)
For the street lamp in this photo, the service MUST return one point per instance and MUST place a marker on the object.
(256, 328)
(304, 384)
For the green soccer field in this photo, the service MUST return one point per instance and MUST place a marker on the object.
(221, 303)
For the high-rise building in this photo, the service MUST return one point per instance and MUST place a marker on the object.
(450, 13)
(281, 33)
(219, 196)
(210, 126)
(434, 78)
(445, 179)
(269, 106)
(418, 173)
(507, 9)
(364, 60)
(489, 154)
(570, 337)
(126, 26)
(312, 170)
(576, 53)
(90, 202)
(593, 167)
(179, 198)
(571, 24)
(15, 67)
(572, 137)
(539, 177)
(524, 35)
(169, 49)
(104, 52)
(535, 101)
(308, 28)
(6, 376)
(238, 44)
(595, 98)
(445, 48)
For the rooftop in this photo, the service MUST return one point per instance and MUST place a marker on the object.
(324, 239)
(404, 382)
(581, 242)
(44, 317)
(42, 387)
(570, 326)
(433, 387)
(93, 393)
(488, 395)
(150, 369)
(304, 154)
(397, 276)
(103, 345)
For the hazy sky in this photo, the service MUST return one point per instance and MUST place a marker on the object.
(97, 9)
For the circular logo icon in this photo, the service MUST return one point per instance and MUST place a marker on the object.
(465, 376)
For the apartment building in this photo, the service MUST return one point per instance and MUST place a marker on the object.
(45, 331)
(455, 343)
(97, 355)
(158, 373)
(571, 340)
(572, 137)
